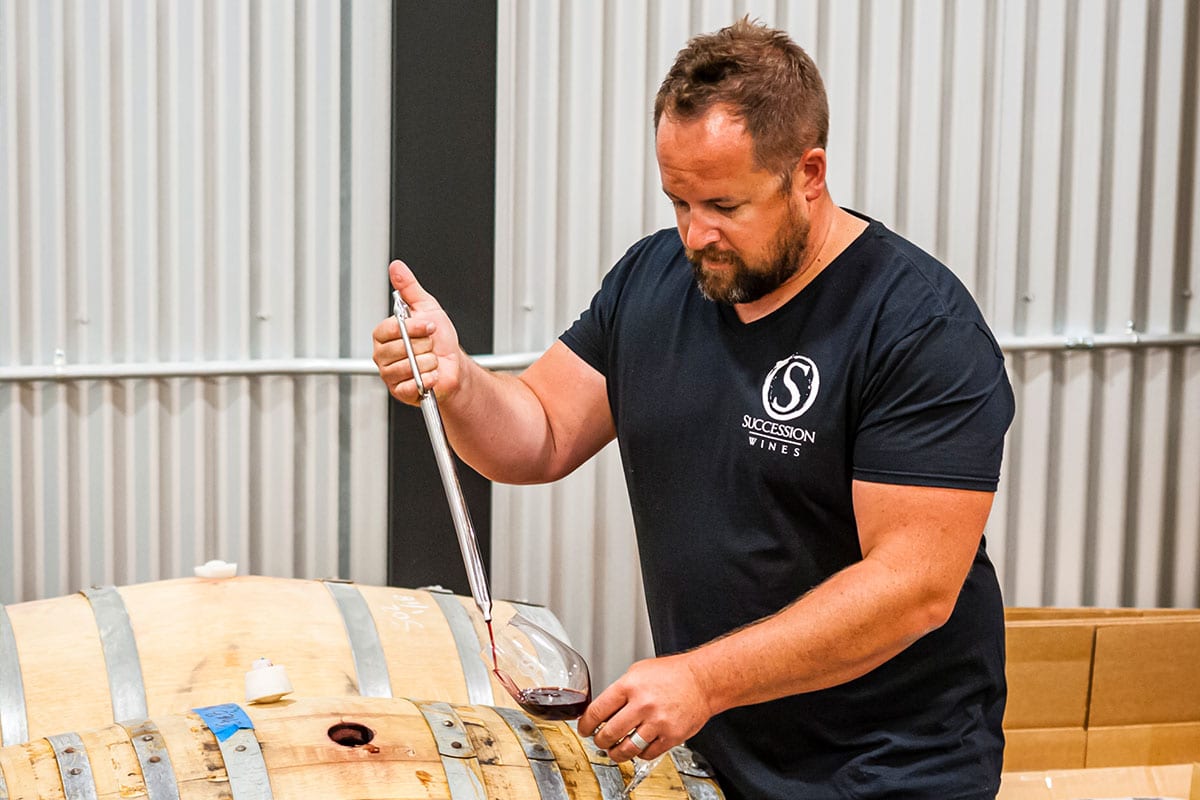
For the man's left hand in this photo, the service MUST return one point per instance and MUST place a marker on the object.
(659, 699)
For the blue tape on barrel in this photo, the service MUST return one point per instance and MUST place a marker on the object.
(225, 720)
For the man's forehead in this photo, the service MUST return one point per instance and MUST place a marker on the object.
(712, 150)
(718, 120)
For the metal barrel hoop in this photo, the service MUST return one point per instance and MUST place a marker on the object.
(456, 750)
(14, 726)
(466, 642)
(542, 762)
(125, 684)
(151, 750)
(370, 662)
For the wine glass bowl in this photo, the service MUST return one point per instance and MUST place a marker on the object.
(544, 675)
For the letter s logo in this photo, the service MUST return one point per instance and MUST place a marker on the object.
(791, 387)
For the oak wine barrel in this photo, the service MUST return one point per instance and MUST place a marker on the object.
(113, 654)
(342, 748)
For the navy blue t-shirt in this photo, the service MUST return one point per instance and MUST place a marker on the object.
(739, 444)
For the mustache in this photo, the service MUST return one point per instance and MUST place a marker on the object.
(711, 253)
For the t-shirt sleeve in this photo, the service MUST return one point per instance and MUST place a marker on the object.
(936, 412)
(588, 336)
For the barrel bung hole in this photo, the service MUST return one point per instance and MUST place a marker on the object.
(351, 734)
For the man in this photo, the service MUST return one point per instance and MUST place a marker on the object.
(810, 412)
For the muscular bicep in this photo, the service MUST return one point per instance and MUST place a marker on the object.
(926, 537)
(574, 397)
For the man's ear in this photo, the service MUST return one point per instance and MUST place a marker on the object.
(808, 176)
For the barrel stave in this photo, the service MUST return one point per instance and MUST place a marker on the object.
(197, 637)
(195, 756)
(501, 757)
(419, 642)
(401, 761)
(62, 665)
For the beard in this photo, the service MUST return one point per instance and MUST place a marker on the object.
(746, 282)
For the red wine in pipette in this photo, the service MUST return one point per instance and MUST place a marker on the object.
(492, 638)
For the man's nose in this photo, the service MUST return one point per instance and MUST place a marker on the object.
(700, 232)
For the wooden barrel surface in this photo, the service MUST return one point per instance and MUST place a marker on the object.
(112, 654)
(336, 749)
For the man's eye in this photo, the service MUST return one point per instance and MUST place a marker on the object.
(727, 208)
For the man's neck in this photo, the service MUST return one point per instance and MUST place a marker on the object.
(832, 230)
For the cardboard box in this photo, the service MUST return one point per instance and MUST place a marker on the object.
(1049, 671)
(1122, 745)
(1045, 748)
(1146, 671)
(1181, 781)
(1095, 688)
(1048, 613)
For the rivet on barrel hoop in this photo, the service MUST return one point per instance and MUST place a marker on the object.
(73, 766)
(458, 756)
(151, 751)
(244, 764)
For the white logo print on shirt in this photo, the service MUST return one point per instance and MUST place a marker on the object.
(788, 391)
(791, 387)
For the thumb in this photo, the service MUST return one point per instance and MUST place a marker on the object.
(404, 281)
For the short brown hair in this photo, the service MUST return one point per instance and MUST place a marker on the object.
(764, 77)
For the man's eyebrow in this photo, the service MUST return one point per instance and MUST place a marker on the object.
(714, 200)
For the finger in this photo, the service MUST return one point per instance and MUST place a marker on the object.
(386, 331)
(399, 371)
(401, 368)
(627, 748)
(418, 329)
(656, 749)
(598, 711)
(616, 729)
(404, 281)
(394, 365)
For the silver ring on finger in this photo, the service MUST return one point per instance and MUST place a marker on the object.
(638, 742)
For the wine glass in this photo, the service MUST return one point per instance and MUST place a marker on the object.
(543, 674)
(547, 678)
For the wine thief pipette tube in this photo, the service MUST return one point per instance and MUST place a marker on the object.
(467, 542)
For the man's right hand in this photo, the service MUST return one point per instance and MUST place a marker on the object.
(434, 341)
(532, 428)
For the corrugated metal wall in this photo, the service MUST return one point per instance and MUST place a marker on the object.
(193, 228)
(1045, 149)
(184, 188)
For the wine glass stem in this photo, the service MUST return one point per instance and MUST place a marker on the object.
(641, 769)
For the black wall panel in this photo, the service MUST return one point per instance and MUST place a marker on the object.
(442, 222)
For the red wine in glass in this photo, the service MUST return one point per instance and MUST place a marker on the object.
(546, 677)
(553, 702)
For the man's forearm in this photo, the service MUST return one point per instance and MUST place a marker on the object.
(841, 630)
